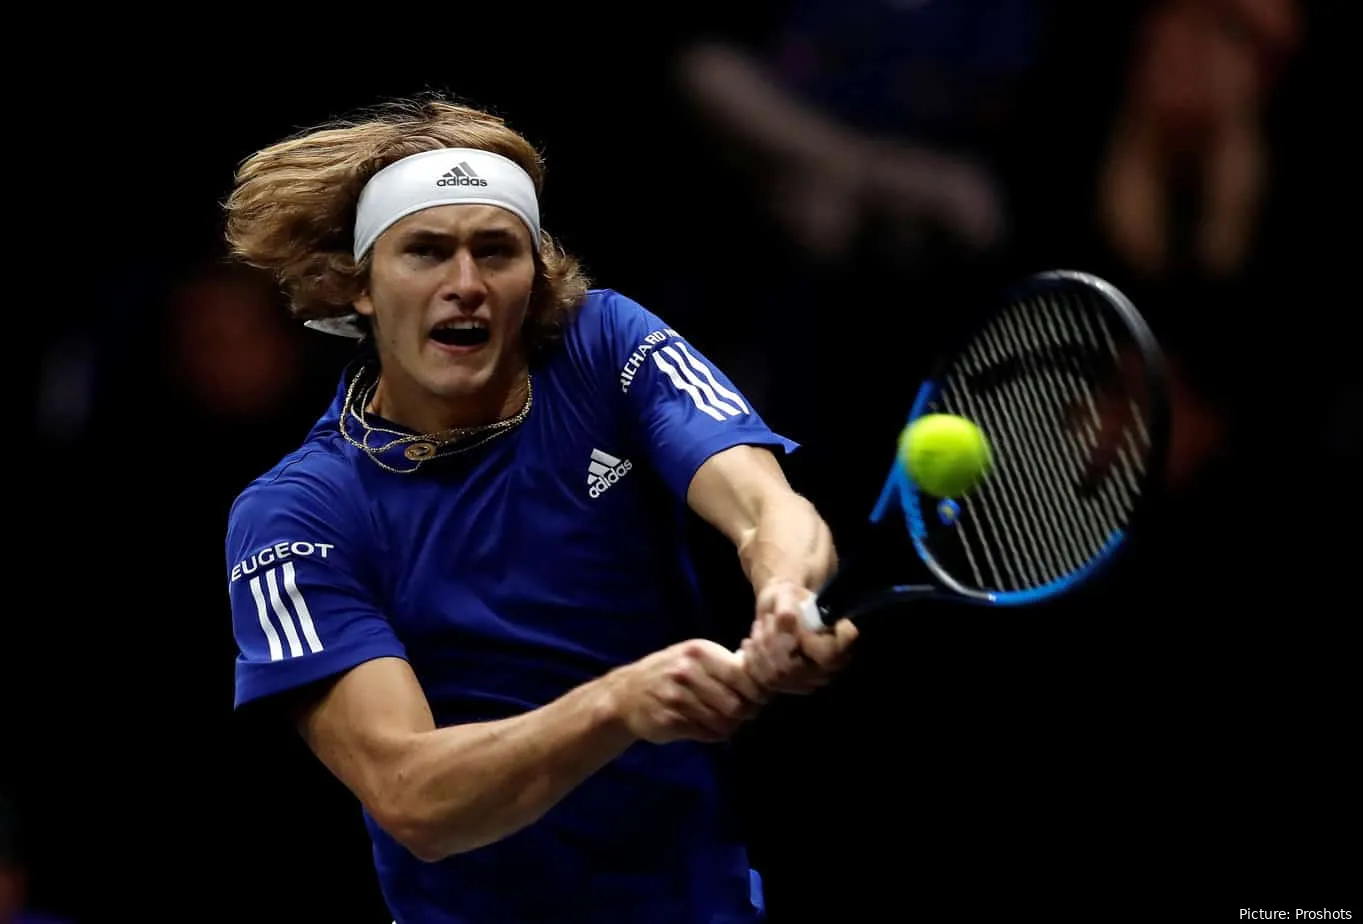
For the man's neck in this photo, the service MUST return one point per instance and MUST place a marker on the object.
(426, 413)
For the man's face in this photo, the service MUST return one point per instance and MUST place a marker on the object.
(449, 288)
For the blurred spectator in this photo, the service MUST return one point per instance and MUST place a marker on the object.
(1186, 211)
(15, 907)
(191, 384)
(1210, 195)
(871, 119)
(230, 351)
(210, 347)
(856, 148)
(1189, 159)
(208, 338)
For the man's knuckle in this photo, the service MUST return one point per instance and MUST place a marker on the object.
(673, 697)
(693, 650)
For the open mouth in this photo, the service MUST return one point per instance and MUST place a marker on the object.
(460, 333)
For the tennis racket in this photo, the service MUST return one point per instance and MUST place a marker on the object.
(1068, 384)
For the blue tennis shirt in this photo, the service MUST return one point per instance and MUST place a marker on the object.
(506, 576)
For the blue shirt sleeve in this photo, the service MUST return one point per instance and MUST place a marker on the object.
(686, 408)
(303, 607)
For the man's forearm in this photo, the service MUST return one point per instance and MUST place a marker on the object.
(790, 542)
(465, 786)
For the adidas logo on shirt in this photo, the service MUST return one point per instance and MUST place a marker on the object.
(605, 470)
(461, 175)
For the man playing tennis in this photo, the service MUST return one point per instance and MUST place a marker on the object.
(470, 583)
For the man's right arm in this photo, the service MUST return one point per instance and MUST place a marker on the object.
(441, 791)
(305, 613)
(444, 791)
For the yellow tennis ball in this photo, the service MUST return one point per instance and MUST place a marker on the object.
(945, 455)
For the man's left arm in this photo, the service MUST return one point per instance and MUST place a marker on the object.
(787, 553)
(709, 445)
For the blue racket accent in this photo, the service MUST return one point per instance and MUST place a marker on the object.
(1036, 594)
(898, 481)
(948, 511)
(899, 485)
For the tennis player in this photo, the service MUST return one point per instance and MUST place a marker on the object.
(470, 583)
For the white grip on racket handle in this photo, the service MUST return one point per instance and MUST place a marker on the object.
(810, 616)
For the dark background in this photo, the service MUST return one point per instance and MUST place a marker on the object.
(1175, 739)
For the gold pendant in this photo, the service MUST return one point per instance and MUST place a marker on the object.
(418, 452)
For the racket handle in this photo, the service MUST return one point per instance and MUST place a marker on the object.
(811, 617)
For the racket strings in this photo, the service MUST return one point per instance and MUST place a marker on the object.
(1044, 380)
(1135, 447)
(1006, 498)
(1081, 392)
(1041, 455)
(1021, 498)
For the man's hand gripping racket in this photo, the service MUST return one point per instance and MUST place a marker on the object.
(1067, 384)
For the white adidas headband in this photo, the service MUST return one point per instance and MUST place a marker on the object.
(445, 176)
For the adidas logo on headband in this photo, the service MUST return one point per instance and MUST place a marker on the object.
(461, 175)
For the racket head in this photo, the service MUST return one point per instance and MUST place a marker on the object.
(1069, 385)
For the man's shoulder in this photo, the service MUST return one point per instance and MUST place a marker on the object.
(609, 316)
(319, 475)
(610, 306)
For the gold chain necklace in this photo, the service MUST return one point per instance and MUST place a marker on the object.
(421, 447)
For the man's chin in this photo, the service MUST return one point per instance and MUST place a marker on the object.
(461, 385)
(470, 376)
(465, 374)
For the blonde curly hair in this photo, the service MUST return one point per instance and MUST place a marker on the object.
(291, 211)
